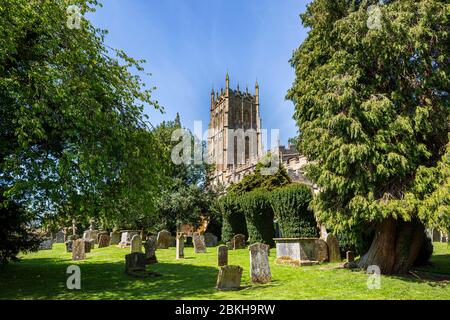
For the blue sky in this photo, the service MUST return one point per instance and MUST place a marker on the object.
(190, 44)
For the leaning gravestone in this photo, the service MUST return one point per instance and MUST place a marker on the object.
(78, 250)
(199, 243)
(136, 244)
(134, 262)
(115, 238)
(59, 238)
(229, 278)
(164, 239)
(150, 250)
(334, 253)
(180, 247)
(238, 241)
(88, 245)
(46, 244)
(101, 234)
(320, 251)
(259, 263)
(222, 255)
(103, 241)
(126, 237)
(210, 240)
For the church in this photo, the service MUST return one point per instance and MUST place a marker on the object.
(235, 143)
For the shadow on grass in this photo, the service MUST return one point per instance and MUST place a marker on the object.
(44, 278)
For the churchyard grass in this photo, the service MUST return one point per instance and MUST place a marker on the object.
(42, 275)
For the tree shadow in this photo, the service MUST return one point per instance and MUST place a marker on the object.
(44, 278)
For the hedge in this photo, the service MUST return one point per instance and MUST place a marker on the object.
(259, 216)
(233, 218)
(290, 205)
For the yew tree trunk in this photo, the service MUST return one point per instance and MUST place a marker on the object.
(395, 246)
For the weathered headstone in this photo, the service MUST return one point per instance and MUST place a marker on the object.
(91, 235)
(259, 263)
(229, 278)
(164, 239)
(150, 250)
(134, 262)
(334, 253)
(115, 238)
(350, 255)
(222, 255)
(210, 240)
(88, 245)
(238, 241)
(69, 244)
(321, 251)
(78, 250)
(46, 244)
(199, 243)
(59, 237)
(104, 241)
(136, 244)
(180, 247)
(229, 245)
(126, 237)
(101, 233)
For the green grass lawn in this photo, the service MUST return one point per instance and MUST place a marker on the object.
(42, 275)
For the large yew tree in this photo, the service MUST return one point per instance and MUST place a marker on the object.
(372, 107)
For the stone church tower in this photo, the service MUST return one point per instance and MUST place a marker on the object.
(234, 135)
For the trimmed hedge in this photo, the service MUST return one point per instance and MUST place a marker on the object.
(233, 218)
(290, 205)
(259, 216)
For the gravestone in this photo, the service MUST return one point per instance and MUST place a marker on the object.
(59, 238)
(334, 253)
(164, 239)
(210, 240)
(69, 244)
(104, 241)
(91, 235)
(259, 263)
(88, 245)
(229, 245)
(199, 243)
(126, 237)
(115, 238)
(238, 241)
(101, 233)
(180, 247)
(222, 255)
(229, 278)
(150, 250)
(134, 262)
(46, 244)
(78, 250)
(321, 251)
(350, 255)
(136, 244)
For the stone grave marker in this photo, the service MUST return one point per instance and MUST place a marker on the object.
(78, 250)
(222, 255)
(210, 240)
(104, 241)
(180, 247)
(350, 255)
(150, 250)
(136, 244)
(164, 239)
(59, 237)
(238, 241)
(88, 245)
(134, 262)
(69, 244)
(46, 244)
(259, 263)
(115, 238)
(320, 251)
(199, 243)
(229, 278)
(334, 253)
